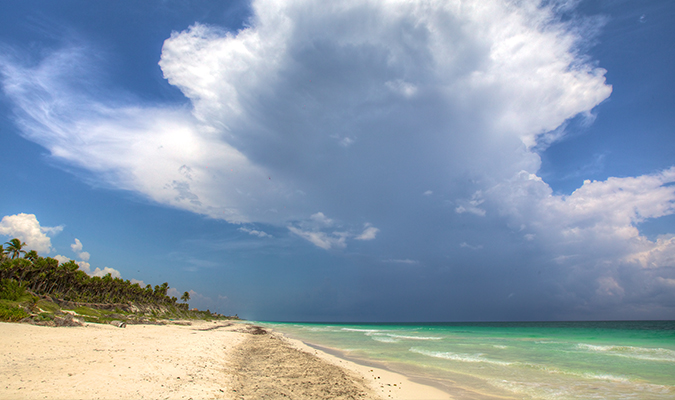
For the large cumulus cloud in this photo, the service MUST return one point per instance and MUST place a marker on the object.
(361, 94)
(592, 241)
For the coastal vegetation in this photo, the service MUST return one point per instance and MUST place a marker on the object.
(35, 289)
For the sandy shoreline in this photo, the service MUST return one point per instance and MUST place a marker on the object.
(206, 360)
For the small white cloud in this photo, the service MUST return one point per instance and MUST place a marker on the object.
(428, 193)
(51, 230)
(471, 206)
(135, 281)
(26, 228)
(346, 142)
(77, 249)
(399, 261)
(197, 296)
(321, 239)
(369, 233)
(77, 246)
(61, 259)
(401, 87)
(609, 287)
(321, 219)
(254, 232)
(472, 210)
(465, 245)
(105, 271)
(315, 230)
(84, 266)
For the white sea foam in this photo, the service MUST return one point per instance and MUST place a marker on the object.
(600, 379)
(640, 353)
(553, 370)
(414, 337)
(587, 375)
(471, 358)
(531, 389)
(379, 332)
(393, 338)
(319, 329)
(385, 339)
(606, 377)
(360, 330)
(499, 346)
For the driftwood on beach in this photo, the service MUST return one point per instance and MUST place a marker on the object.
(119, 324)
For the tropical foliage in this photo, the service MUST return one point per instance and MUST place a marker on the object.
(11, 289)
(12, 314)
(45, 276)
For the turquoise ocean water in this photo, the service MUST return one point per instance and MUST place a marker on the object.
(548, 360)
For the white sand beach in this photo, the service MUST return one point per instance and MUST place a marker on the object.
(204, 360)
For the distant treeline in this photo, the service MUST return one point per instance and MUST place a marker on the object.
(45, 276)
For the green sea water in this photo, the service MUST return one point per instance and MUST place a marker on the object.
(548, 360)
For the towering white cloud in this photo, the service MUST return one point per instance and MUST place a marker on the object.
(304, 102)
(26, 228)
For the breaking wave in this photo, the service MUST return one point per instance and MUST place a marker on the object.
(640, 353)
(471, 358)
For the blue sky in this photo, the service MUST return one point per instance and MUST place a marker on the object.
(363, 161)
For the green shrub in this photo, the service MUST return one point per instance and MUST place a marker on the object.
(44, 317)
(48, 306)
(12, 290)
(88, 311)
(12, 314)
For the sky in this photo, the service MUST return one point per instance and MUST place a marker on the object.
(357, 160)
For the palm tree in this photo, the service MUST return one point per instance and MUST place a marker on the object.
(2, 252)
(15, 247)
(185, 297)
(31, 255)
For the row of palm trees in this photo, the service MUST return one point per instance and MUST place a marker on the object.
(45, 276)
